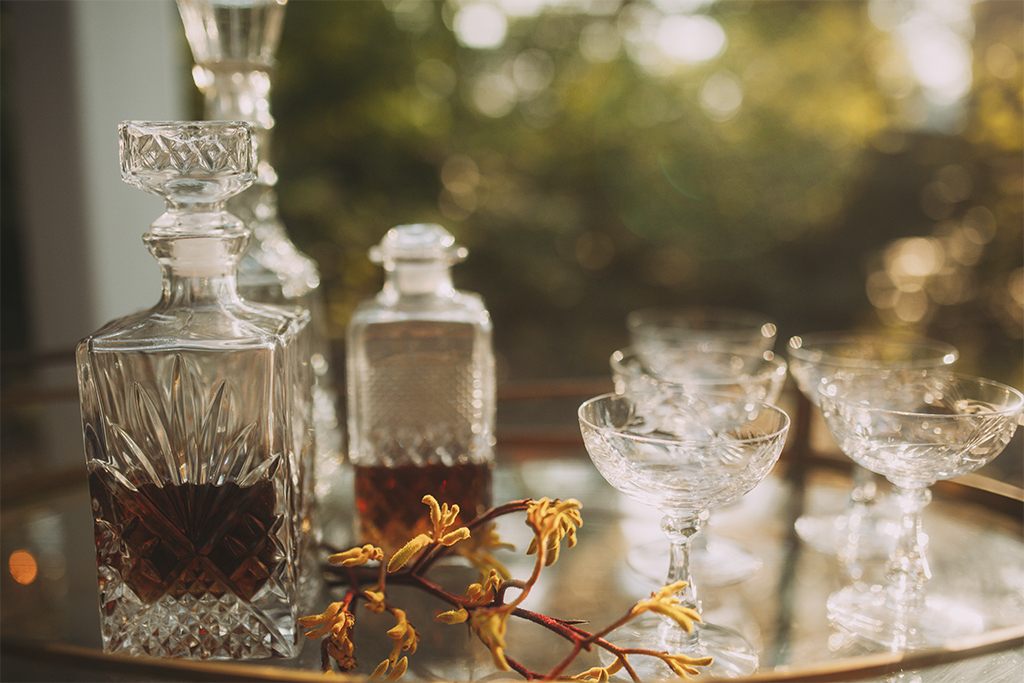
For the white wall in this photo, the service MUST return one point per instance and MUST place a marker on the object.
(77, 69)
(130, 66)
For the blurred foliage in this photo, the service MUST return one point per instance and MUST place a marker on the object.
(601, 186)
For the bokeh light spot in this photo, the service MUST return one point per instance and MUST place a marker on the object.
(1001, 61)
(460, 174)
(412, 15)
(690, 39)
(23, 567)
(982, 222)
(939, 58)
(911, 307)
(600, 42)
(532, 71)
(721, 96)
(880, 290)
(915, 257)
(494, 95)
(1015, 284)
(480, 25)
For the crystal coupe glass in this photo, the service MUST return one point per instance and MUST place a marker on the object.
(716, 561)
(914, 427)
(859, 531)
(693, 453)
(689, 343)
(670, 340)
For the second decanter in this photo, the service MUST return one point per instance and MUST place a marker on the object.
(420, 390)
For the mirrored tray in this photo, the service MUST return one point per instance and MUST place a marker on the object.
(50, 625)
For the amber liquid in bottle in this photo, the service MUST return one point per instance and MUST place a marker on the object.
(189, 539)
(390, 499)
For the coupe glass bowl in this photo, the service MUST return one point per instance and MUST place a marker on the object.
(670, 339)
(692, 454)
(859, 531)
(714, 560)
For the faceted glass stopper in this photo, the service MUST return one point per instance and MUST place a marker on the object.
(188, 163)
(419, 242)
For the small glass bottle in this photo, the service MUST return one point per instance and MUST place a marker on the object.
(194, 415)
(421, 403)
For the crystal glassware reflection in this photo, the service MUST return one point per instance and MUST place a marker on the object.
(714, 560)
(859, 531)
(668, 339)
(914, 427)
(699, 452)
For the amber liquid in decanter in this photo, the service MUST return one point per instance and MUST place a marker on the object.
(390, 499)
(192, 539)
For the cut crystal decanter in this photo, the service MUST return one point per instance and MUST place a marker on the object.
(196, 420)
(420, 372)
(233, 43)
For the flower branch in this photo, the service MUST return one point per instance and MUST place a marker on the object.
(484, 607)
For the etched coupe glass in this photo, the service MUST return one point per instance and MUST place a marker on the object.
(914, 427)
(671, 340)
(194, 415)
(714, 560)
(859, 531)
(702, 345)
(698, 452)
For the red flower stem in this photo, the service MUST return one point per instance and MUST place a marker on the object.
(569, 659)
(325, 657)
(522, 670)
(566, 629)
(432, 554)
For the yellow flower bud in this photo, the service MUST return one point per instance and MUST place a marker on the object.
(455, 616)
(405, 554)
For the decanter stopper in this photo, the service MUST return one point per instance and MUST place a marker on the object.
(194, 166)
(233, 43)
(417, 257)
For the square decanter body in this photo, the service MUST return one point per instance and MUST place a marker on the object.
(194, 432)
(422, 382)
(197, 424)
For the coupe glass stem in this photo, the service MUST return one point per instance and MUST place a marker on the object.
(908, 570)
(681, 527)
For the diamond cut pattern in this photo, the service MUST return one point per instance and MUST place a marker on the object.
(188, 151)
(227, 628)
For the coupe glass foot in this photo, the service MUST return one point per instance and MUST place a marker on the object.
(869, 613)
(733, 655)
